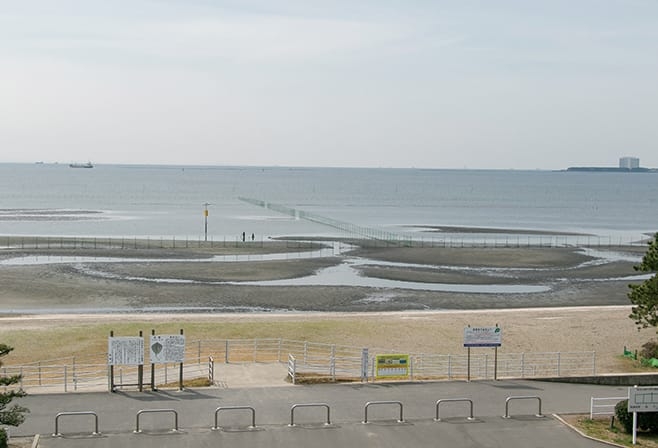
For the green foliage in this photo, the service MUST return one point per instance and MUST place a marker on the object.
(10, 415)
(3, 439)
(650, 260)
(623, 416)
(649, 350)
(644, 296)
(646, 421)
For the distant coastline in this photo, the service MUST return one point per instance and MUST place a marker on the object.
(611, 169)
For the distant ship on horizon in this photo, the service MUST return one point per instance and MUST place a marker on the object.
(81, 165)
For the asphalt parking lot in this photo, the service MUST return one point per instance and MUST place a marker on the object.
(330, 415)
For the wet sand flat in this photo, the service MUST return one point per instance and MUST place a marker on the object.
(586, 306)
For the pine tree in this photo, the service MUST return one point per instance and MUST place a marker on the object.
(645, 295)
(13, 415)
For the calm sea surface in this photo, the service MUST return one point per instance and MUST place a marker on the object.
(168, 201)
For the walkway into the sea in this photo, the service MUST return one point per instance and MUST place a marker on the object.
(355, 230)
(453, 236)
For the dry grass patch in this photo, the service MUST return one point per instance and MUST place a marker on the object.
(45, 343)
(191, 382)
(603, 330)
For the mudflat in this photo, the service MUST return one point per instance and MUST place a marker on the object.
(583, 307)
(186, 277)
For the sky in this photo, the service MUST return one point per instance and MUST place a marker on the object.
(506, 84)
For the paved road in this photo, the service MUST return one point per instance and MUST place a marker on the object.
(196, 411)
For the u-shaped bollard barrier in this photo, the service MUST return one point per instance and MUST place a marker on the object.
(528, 397)
(454, 400)
(152, 411)
(309, 405)
(370, 403)
(235, 408)
(58, 434)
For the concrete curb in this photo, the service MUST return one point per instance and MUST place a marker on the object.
(582, 434)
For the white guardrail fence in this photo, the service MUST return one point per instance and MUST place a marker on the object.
(304, 359)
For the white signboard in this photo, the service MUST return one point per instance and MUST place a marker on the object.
(643, 399)
(483, 337)
(167, 348)
(125, 351)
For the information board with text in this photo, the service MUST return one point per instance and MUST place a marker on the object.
(391, 366)
(483, 337)
(125, 351)
(167, 348)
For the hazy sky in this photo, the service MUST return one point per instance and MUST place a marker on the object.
(414, 83)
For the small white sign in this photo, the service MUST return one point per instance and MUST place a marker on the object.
(125, 351)
(483, 337)
(167, 348)
(643, 399)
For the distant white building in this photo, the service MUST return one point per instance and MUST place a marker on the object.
(629, 163)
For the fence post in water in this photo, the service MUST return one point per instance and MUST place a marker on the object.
(199, 351)
(65, 380)
(226, 352)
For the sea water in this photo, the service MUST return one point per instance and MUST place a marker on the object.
(169, 201)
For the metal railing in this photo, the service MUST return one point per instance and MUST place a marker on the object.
(150, 242)
(603, 406)
(376, 237)
(310, 360)
(292, 369)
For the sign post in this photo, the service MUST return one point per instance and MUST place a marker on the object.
(394, 365)
(483, 337)
(364, 365)
(167, 348)
(641, 399)
(205, 221)
(125, 350)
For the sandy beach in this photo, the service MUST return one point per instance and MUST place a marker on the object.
(585, 306)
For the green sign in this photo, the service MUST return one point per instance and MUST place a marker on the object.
(391, 366)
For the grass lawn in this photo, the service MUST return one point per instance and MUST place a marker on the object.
(600, 428)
